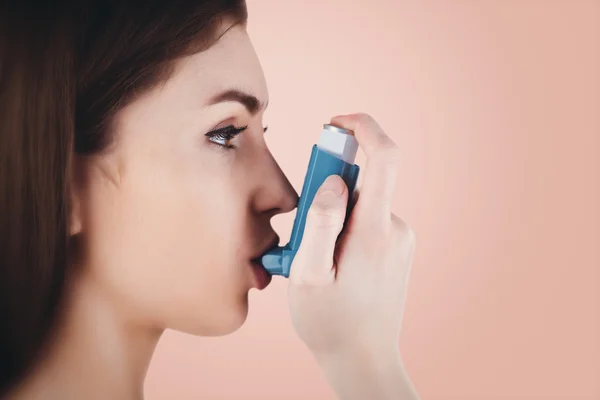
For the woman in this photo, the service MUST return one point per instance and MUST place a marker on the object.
(137, 188)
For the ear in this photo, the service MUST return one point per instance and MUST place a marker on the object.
(75, 225)
(76, 193)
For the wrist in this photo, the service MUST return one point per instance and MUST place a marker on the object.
(365, 356)
(364, 372)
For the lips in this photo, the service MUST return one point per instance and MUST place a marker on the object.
(262, 278)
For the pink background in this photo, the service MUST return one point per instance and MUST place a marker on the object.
(495, 105)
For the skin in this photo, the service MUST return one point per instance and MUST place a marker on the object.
(169, 220)
(347, 295)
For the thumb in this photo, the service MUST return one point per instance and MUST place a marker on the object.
(313, 263)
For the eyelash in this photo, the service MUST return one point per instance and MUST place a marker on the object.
(227, 133)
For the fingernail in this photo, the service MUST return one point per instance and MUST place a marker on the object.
(333, 185)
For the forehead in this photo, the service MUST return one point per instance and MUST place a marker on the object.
(231, 63)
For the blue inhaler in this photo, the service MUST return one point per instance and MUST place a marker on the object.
(334, 153)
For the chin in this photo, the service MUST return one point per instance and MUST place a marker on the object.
(223, 320)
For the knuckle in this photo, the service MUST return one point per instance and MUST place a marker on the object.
(393, 236)
(364, 119)
(403, 233)
(365, 122)
(389, 152)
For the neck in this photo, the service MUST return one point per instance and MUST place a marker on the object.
(97, 353)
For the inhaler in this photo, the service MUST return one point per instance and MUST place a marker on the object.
(334, 154)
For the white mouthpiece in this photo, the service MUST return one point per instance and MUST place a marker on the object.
(338, 142)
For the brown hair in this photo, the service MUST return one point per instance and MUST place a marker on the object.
(64, 73)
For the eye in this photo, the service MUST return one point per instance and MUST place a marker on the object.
(223, 136)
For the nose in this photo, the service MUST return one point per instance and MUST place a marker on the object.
(274, 193)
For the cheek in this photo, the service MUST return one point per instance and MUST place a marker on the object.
(169, 250)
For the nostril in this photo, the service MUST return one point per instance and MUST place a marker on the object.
(292, 199)
(291, 202)
(287, 202)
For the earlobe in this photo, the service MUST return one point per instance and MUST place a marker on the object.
(75, 223)
(75, 211)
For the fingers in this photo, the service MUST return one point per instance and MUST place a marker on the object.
(313, 263)
(381, 169)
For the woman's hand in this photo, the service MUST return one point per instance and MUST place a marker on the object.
(347, 298)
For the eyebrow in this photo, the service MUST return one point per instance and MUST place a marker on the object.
(251, 102)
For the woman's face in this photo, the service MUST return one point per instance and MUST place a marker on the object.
(171, 218)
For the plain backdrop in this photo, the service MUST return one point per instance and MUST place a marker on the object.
(495, 105)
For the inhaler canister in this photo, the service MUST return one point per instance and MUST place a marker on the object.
(334, 154)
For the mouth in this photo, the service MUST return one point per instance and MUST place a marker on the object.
(272, 243)
(262, 277)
